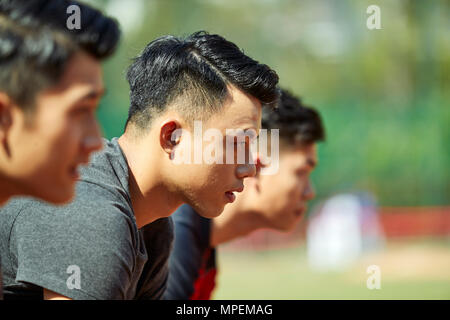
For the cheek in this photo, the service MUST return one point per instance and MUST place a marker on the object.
(66, 142)
(69, 133)
(287, 198)
(221, 175)
(290, 194)
(273, 192)
(199, 177)
(61, 128)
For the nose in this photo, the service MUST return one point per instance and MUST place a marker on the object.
(245, 171)
(309, 192)
(92, 141)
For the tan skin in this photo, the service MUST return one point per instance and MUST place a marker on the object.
(276, 202)
(158, 186)
(39, 156)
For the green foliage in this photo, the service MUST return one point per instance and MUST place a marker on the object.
(384, 94)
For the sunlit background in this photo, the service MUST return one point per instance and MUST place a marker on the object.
(384, 96)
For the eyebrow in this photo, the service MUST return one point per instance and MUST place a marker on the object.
(94, 94)
(246, 119)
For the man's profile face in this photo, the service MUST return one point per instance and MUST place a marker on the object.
(283, 197)
(208, 187)
(47, 148)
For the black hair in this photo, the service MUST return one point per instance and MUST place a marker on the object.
(197, 69)
(297, 123)
(36, 44)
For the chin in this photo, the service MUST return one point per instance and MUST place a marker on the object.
(210, 212)
(287, 226)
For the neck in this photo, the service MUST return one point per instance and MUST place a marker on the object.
(8, 190)
(150, 198)
(3, 199)
(237, 220)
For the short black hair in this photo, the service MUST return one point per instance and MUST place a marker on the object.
(298, 124)
(36, 44)
(197, 69)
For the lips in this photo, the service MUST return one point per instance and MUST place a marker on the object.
(73, 172)
(299, 212)
(231, 195)
(73, 169)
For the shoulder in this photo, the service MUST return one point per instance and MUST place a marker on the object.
(107, 174)
(188, 225)
(85, 218)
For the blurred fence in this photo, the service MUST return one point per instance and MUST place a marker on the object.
(396, 223)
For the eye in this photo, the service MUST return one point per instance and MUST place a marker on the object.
(85, 109)
(82, 110)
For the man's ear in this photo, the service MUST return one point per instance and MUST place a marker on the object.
(256, 180)
(5, 116)
(259, 165)
(169, 135)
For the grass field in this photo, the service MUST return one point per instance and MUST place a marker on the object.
(414, 269)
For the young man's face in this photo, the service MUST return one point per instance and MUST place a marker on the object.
(61, 133)
(209, 187)
(283, 197)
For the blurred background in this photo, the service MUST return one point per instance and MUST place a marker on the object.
(384, 96)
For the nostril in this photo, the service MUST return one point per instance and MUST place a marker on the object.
(246, 171)
(252, 170)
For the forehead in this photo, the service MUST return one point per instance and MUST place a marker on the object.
(240, 111)
(81, 81)
(82, 71)
(300, 157)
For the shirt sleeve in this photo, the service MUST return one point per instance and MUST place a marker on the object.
(83, 250)
(191, 240)
(1, 281)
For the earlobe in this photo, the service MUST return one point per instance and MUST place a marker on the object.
(259, 165)
(5, 122)
(5, 116)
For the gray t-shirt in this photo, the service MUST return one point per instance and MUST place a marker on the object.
(1, 282)
(89, 249)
